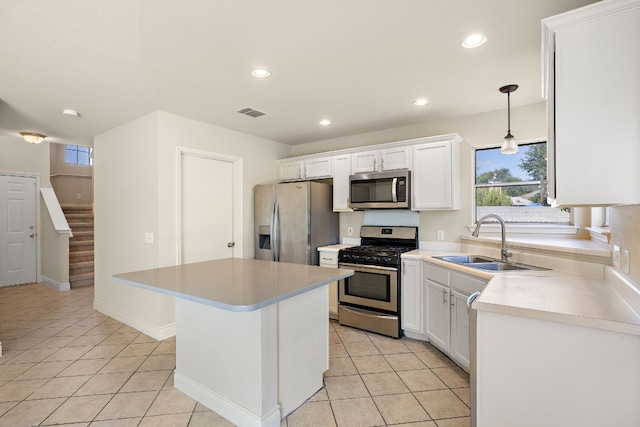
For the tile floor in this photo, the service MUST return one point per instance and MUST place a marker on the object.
(64, 363)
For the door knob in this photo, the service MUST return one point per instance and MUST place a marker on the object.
(32, 235)
(231, 244)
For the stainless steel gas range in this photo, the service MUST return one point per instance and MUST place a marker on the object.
(370, 299)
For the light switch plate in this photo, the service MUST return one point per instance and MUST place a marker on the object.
(148, 237)
(616, 256)
(625, 261)
(440, 234)
(349, 231)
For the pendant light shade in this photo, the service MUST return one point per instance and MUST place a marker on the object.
(509, 145)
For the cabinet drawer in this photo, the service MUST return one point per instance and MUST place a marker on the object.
(466, 284)
(436, 274)
(328, 259)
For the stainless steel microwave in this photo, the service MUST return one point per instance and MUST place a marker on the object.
(380, 190)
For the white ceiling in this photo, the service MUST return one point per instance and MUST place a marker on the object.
(360, 63)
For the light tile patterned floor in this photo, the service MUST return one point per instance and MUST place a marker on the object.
(66, 364)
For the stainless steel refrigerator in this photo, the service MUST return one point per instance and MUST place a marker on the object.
(292, 220)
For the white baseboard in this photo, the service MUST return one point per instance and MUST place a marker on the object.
(223, 406)
(56, 285)
(156, 332)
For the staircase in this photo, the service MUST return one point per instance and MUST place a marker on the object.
(80, 220)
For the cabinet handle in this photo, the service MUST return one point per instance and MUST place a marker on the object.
(382, 164)
(375, 165)
(444, 297)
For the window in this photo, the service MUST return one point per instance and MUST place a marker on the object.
(78, 155)
(514, 186)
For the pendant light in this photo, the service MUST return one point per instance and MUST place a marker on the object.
(509, 145)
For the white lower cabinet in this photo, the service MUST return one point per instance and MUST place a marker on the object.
(411, 299)
(437, 316)
(330, 259)
(434, 307)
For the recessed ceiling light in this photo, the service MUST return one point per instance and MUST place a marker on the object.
(325, 122)
(73, 113)
(473, 40)
(420, 102)
(261, 73)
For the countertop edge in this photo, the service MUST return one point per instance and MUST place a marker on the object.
(230, 307)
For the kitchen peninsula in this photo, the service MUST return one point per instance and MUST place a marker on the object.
(251, 335)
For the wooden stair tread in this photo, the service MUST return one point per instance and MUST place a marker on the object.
(81, 276)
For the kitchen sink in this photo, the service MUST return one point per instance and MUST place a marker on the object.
(496, 266)
(466, 259)
(486, 263)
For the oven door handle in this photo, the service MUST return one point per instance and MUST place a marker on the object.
(366, 266)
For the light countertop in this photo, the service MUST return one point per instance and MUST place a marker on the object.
(334, 248)
(609, 303)
(234, 284)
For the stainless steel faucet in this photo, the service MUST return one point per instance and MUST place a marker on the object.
(504, 252)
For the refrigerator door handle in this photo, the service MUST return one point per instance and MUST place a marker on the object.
(276, 231)
(272, 232)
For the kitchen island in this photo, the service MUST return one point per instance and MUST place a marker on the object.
(251, 335)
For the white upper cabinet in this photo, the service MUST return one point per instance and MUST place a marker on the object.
(386, 159)
(592, 84)
(290, 170)
(318, 167)
(435, 179)
(365, 161)
(341, 172)
(312, 168)
(395, 158)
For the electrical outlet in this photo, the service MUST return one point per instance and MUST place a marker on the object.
(78, 196)
(148, 237)
(616, 256)
(350, 231)
(625, 261)
(440, 234)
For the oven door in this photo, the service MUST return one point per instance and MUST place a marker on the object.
(370, 286)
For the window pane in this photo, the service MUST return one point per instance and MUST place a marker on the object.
(71, 155)
(498, 190)
(83, 157)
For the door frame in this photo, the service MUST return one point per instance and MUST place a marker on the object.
(38, 222)
(238, 216)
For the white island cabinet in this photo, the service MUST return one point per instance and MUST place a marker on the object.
(591, 68)
(251, 335)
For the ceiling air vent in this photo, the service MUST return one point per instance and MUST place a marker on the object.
(252, 112)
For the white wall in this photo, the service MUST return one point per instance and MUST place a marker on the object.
(481, 130)
(135, 182)
(17, 155)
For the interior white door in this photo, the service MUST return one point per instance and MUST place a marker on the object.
(208, 207)
(18, 248)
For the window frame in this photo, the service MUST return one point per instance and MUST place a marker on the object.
(78, 150)
(514, 227)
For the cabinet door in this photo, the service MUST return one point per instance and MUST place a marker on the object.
(341, 172)
(320, 167)
(596, 105)
(290, 170)
(460, 329)
(437, 324)
(436, 176)
(394, 158)
(330, 259)
(411, 294)
(366, 161)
